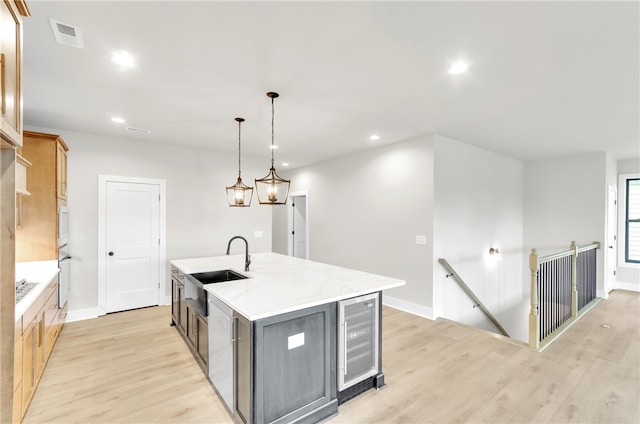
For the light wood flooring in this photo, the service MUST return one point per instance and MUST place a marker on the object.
(132, 367)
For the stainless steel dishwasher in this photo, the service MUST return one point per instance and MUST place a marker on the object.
(358, 345)
(221, 339)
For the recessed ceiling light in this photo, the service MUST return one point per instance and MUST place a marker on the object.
(285, 163)
(117, 120)
(374, 137)
(273, 146)
(124, 59)
(458, 68)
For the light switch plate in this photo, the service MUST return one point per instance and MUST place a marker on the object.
(258, 234)
(422, 240)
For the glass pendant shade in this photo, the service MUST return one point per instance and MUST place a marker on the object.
(272, 189)
(239, 194)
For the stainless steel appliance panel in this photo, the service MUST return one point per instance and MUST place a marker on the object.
(64, 275)
(358, 339)
(221, 339)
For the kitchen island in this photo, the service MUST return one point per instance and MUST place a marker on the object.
(276, 347)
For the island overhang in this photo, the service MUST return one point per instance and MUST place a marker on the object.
(278, 283)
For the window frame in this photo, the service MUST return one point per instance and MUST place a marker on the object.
(622, 221)
(627, 220)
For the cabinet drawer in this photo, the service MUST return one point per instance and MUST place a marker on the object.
(51, 307)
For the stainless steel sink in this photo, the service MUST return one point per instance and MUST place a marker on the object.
(221, 276)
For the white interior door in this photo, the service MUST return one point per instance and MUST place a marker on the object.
(299, 226)
(611, 255)
(132, 245)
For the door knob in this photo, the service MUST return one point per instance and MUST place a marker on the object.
(110, 253)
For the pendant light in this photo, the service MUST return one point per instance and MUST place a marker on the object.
(272, 190)
(239, 194)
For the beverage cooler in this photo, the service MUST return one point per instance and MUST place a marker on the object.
(359, 348)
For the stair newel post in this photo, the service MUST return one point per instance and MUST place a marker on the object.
(534, 322)
(574, 280)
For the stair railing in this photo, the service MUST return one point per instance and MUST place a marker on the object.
(562, 285)
(469, 292)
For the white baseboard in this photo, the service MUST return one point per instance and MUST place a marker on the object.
(628, 286)
(90, 313)
(410, 307)
(82, 314)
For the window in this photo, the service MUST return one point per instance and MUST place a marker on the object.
(632, 221)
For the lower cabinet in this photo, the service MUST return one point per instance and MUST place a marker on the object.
(17, 373)
(190, 325)
(285, 367)
(178, 304)
(36, 333)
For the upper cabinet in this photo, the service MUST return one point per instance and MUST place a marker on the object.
(21, 175)
(61, 169)
(11, 69)
(37, 237)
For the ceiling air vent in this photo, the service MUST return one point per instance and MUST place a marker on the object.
(68, 35)
(138, 130)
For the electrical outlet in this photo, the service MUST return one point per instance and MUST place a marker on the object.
(422, 240)
(258, 234)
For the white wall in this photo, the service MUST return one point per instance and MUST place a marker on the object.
(566, 200)
(365, 210)
(199, 220)
(628, 275)
(478, 204)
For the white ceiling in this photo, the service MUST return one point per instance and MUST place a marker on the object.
(545, 78)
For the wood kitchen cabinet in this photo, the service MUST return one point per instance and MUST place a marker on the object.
(191, 325)
(11, 70)
(178, 304)
(37, 237)
(42, 323)
(285, 366)
(17, 372)
(61, 169)
(198, 337)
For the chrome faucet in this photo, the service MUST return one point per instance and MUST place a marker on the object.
(247, 257)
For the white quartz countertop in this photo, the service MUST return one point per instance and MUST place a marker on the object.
(41, 272)
(278, 283)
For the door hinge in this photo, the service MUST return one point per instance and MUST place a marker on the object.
(614, 272)
(158, 242)
(158, 284)
(293, 232)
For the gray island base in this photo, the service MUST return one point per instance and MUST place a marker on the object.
(289, 343)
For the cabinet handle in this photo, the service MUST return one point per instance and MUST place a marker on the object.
(2, 85)
(345, 348)
(233, 329)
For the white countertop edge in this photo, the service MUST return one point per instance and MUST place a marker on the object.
(297, 307)
(41, 272)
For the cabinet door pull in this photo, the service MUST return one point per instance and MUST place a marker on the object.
(2, 85)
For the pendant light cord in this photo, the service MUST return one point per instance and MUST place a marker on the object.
(272, 132)
(239, 151)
